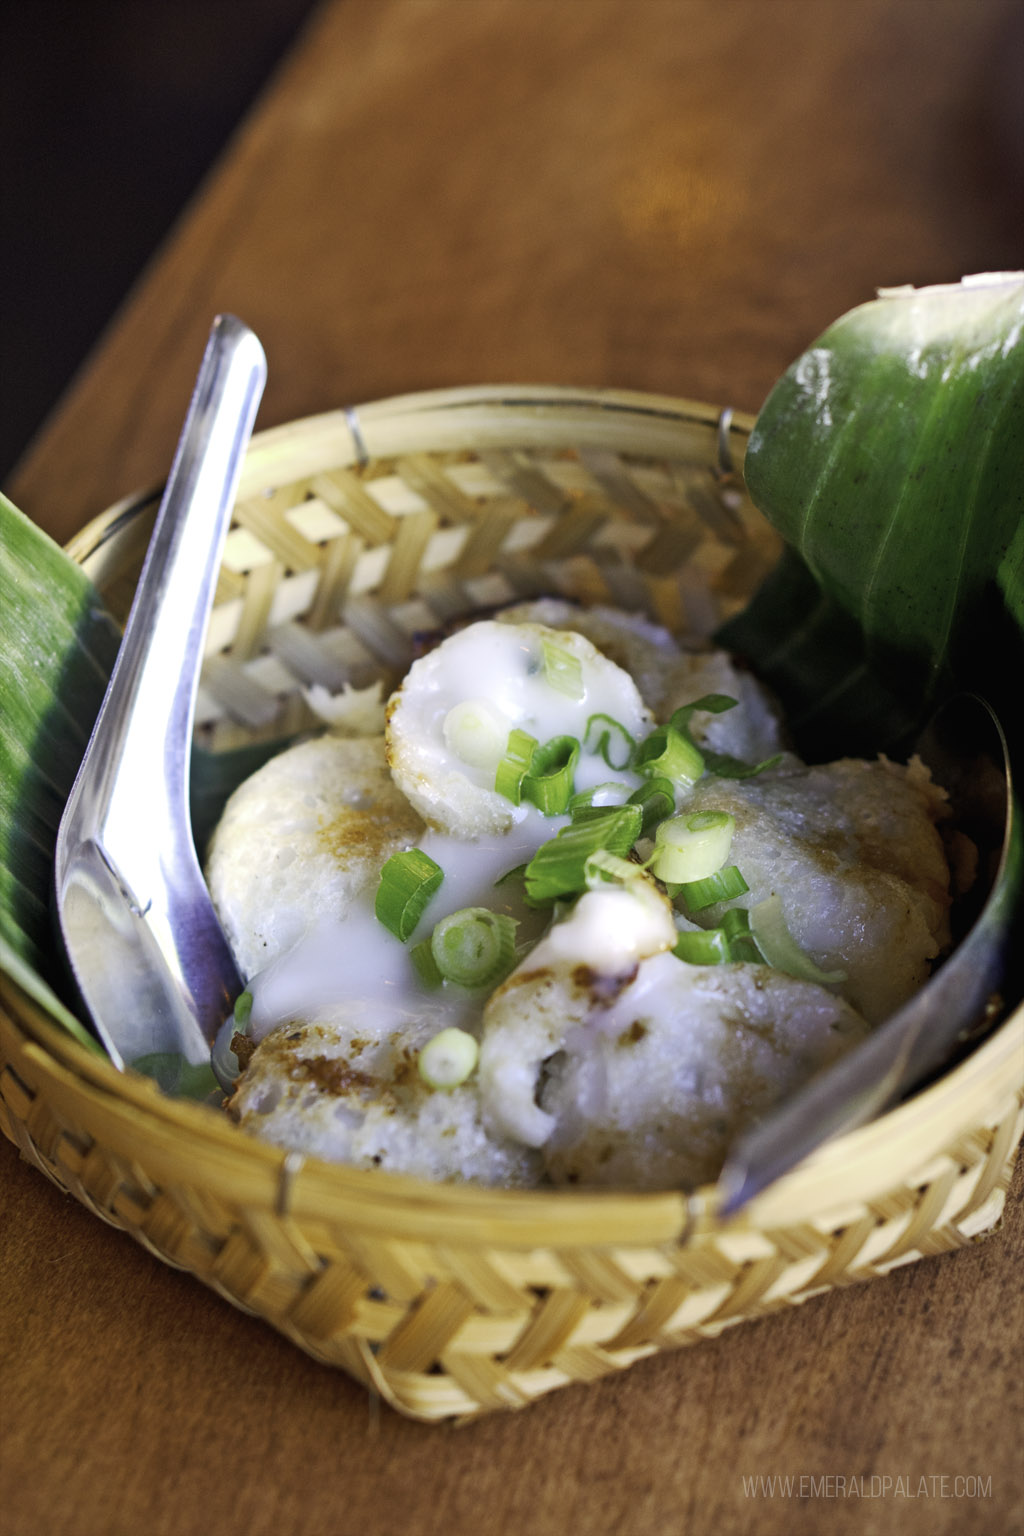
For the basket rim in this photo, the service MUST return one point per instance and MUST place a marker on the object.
(311, 1186)
(282, 451)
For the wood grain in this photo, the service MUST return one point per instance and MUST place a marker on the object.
(134, 1400)
(674, 195)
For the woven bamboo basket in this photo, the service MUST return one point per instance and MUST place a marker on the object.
(353, 531)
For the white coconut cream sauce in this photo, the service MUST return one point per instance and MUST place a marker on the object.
(450, 722)
(463, 699)
(501, 672)
(356, 960)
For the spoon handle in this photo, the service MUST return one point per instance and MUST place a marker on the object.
(144, 732)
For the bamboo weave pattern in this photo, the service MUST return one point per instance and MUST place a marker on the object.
(339, 559)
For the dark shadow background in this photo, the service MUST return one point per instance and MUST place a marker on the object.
(111, 112)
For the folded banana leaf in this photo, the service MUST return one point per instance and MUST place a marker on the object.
(57, 648)
(890, 457)
(57, 651)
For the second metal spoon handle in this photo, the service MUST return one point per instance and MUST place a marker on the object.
(145, 726)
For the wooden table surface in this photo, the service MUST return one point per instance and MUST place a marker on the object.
(673, 195)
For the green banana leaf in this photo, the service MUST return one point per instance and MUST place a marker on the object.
(57, 650)
(57, 646)
(890, 457)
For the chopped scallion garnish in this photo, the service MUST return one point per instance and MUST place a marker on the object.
(618, 825)
(515, 765)
(549, 782)
(708, 703)
(562, 670)
(474, 947)
(607, 737)
(656, 799)
(670, 749)
(475, 732)
(669, 754)
(558, 868)
(706, 946)
(736, 927)
(725, 766)
(602, 795)
(729, 943)
(448, 1059)
(780, 949)
(604, 868)
(425, 966)
(724, 885)
(692, 847)
(407, 882)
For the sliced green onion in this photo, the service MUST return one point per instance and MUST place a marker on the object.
(667, 753)
(724, 885)
(549, 782)
(706, 946)
(558, 868)
(725, 766)
(515, 764)
(562, 670)
(448, 1059)
(670, 749)
(474, 947)
(656, 799)
(618, 825)
(691, 847)
(617, 794)
(243, 1010)
(729, 943)
(736, 927)
(744, 949)
(605, 735)
(781, 950)
(475, 732)
(425, 966)
(708, 703)
(407, 882)
(604, 868)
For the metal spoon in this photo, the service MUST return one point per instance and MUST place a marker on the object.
(144, 946)
(966, 749)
